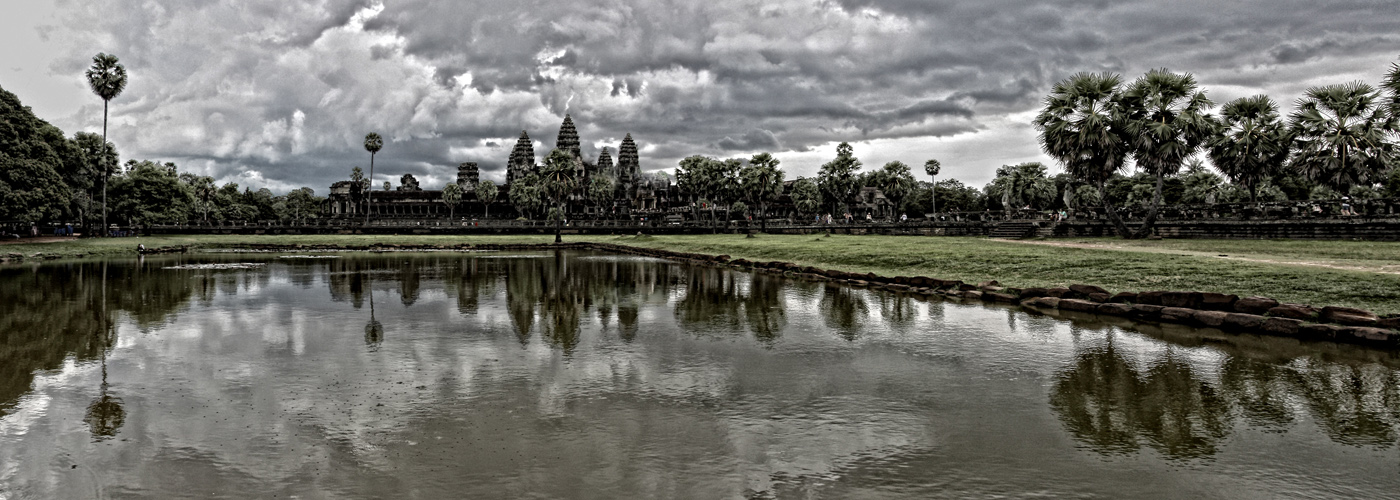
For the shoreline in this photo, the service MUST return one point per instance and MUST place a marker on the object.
(1226, 312)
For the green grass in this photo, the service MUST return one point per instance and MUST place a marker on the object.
(1114, 264)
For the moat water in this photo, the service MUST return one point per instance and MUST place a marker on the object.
(589, 375)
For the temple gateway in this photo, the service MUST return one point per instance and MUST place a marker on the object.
(635, 193)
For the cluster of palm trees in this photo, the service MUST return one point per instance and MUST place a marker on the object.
(1339, 136)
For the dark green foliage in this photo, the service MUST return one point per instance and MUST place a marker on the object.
(34, 157)
(838, 178)
(150, 194)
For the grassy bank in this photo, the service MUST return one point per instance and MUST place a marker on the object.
(1291, 271)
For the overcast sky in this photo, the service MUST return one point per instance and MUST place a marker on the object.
(280, 94)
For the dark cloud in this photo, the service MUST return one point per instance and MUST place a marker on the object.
(287, 90)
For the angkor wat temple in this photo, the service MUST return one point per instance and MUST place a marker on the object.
(637, 193)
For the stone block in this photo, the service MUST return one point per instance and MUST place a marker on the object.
(971, 294)
(1176, 314)
(1098, 297)
(1319, 331)
(1255, 305)
(1153, 298)
(1213, 319)
(1123, 298)
(1244, 321)
(1077, 305)
(1048, 302)
(1286, 327)
(1146, 311)
(1058, 292)
(1368, 335)
(1114, 309)
(1188, 300)
(992, 288)
(1218, 301)
(966, 287)
(1087, 289)
(1391, 322)
(1350, 316)
(1000, 297)
(1294, 311)
(1027, 293)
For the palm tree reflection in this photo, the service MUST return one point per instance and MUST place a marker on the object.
(844, 310)
(1110, 404)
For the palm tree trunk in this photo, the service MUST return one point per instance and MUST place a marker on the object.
(1118, 225)
(763, 212)
(1146, 229)
(369, 193)
(558, 223)
(102, 162)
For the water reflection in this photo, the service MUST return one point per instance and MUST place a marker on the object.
(1116, 403)
(565, 374)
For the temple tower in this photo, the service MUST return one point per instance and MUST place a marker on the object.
(628, 168)
(605, 164)
(568, 138)
(522, 158)
(468, 175)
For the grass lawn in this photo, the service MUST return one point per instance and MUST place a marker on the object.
(1357, 274)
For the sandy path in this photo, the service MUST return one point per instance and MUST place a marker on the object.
(1379, 269)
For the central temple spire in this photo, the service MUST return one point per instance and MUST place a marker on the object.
(568, 138)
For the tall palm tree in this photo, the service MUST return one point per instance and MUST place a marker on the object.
(1082, 127)
(1340, 135)
(558, 177)
(932, 167)
(373, 143)
(107, 78)
(1391, 84)
(1166, 117)
(763, 181)
(1252, 143)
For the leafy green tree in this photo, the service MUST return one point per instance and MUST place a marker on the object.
(107, 79)
(1021, 185)
(601, 190)
(87, 178)
(739, 208)
(451, 196)
(692, 178)
(150, 193)
(806, 196)
(762, 182)
(300, 204)
(932, 167)
(388, 186)
(525, 194)
(203, 190)
(1202, 186)
(373, 143)
(837, 178)
(958, 197)
(1252, 143)
(34, 158)
(896, 180)
(486, 193)
(558, 180)
(1166, 117)
(1340, 136)
(1081, 126)
(359, 185)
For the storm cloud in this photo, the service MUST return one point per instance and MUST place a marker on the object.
(281, 94)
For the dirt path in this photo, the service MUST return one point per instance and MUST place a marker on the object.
(41, 239)
(1379, 269)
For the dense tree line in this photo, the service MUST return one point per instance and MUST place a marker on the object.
(46, 177)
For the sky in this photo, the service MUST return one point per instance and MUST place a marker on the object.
(281, 94)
